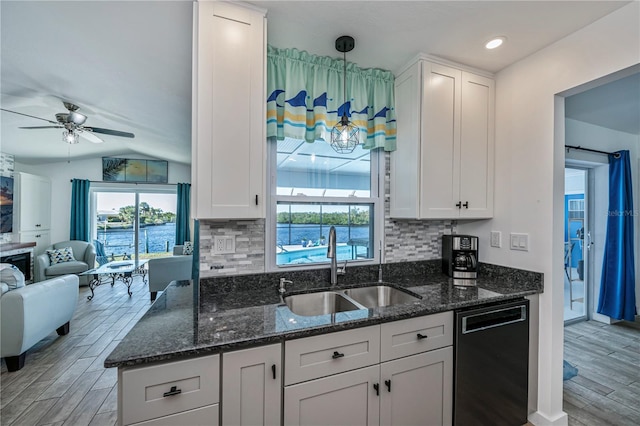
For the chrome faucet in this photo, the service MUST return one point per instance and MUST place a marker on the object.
(333, 255)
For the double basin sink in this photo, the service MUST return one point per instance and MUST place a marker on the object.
(331, 302)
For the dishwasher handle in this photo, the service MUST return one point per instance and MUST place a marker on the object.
(496, 318)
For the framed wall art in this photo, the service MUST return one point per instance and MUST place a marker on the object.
(134, 170)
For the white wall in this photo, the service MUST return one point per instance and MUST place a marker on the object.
(61, 174)
(596, 137)
(529, 181)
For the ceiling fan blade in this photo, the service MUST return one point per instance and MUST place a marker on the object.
(27, 115)
(110, 132)
(90, 137)
(41, 127)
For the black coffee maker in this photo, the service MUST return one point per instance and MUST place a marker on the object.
(460, 256)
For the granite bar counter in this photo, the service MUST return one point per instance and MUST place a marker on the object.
(214, 315)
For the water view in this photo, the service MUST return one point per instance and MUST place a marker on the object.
(153, 239)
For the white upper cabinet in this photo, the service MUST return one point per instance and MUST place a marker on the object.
(229, 142)
(443, 167)
(33, 202)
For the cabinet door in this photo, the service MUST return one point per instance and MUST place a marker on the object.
(477, 146)
(405, 161)
(440, 156)
(251, 386)
(344, 399)
(229, 144)
(419, 389)
(34, 202)
(200, 416)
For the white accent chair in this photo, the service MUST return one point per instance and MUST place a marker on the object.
(30, 313)
(163, 270)
(85, 259)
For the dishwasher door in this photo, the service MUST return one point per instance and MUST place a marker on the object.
(492, 365)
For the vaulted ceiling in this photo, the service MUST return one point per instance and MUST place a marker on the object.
(128, 64)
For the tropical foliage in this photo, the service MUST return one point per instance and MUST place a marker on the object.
(148, 215)
(355, 216)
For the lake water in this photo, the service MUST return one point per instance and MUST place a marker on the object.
(293, 234)
(159, 239)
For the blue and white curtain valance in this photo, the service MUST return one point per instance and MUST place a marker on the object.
(305, 98)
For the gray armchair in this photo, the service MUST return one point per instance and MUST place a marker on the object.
(163, 270)
(85, 259)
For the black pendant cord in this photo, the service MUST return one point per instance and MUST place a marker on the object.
(345, 119)
(615, 154)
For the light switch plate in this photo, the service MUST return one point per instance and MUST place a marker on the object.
(496, 239)
(519, 241)
(223, 244)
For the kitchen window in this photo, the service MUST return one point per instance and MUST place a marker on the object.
(314, 188)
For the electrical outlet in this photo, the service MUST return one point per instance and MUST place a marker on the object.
(519, 242)
(224, 244)
(496, 239)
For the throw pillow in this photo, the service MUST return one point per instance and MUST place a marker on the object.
(11, 276)
(187, 248)
(64, 254)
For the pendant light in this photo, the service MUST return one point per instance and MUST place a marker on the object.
(344, 135)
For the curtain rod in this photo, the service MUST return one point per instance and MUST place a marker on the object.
(128, 183)
(615, 154)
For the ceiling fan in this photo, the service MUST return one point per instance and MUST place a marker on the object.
(73, 124)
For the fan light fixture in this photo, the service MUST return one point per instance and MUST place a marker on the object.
(344, 135)
(70, 137)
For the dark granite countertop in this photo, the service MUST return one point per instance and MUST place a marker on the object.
(213, 315)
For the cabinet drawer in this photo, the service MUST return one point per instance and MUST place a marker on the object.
(320, 356)
(415, 335)
(145, 388)
(200, 416)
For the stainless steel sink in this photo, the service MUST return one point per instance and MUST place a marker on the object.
(379, 295)
(321, 303)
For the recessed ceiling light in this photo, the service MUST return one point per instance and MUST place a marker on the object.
(495, 42)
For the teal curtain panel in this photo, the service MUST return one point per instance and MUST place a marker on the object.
(79, 223)
(182, 213)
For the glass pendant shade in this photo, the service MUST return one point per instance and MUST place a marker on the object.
(70, 137)
(344, 136)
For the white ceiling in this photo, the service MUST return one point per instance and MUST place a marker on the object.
(128, 64)
(614, 105)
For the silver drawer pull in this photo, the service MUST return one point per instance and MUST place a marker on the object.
(174, 391)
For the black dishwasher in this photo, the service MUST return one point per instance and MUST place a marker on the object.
(492, 365)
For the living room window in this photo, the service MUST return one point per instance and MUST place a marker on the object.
(314, 188)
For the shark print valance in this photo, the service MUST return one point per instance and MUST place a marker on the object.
(305, 99)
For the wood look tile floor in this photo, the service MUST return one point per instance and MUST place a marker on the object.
(606, 390)
(64, 381)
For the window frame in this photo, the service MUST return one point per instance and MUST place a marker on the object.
(376, 198)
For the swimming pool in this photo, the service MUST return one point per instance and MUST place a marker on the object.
(312, 255)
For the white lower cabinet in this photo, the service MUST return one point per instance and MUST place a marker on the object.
(412, 386)
(200, 416)
(417, 390)
(252, 386)
(342, 399)
(182, 392)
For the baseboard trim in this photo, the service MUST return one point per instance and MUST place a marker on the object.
(539, 419)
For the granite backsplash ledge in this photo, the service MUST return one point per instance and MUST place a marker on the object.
(400, 272)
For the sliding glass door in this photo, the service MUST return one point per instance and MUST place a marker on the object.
(132, 223)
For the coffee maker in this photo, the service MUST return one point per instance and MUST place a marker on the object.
(460, 256)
